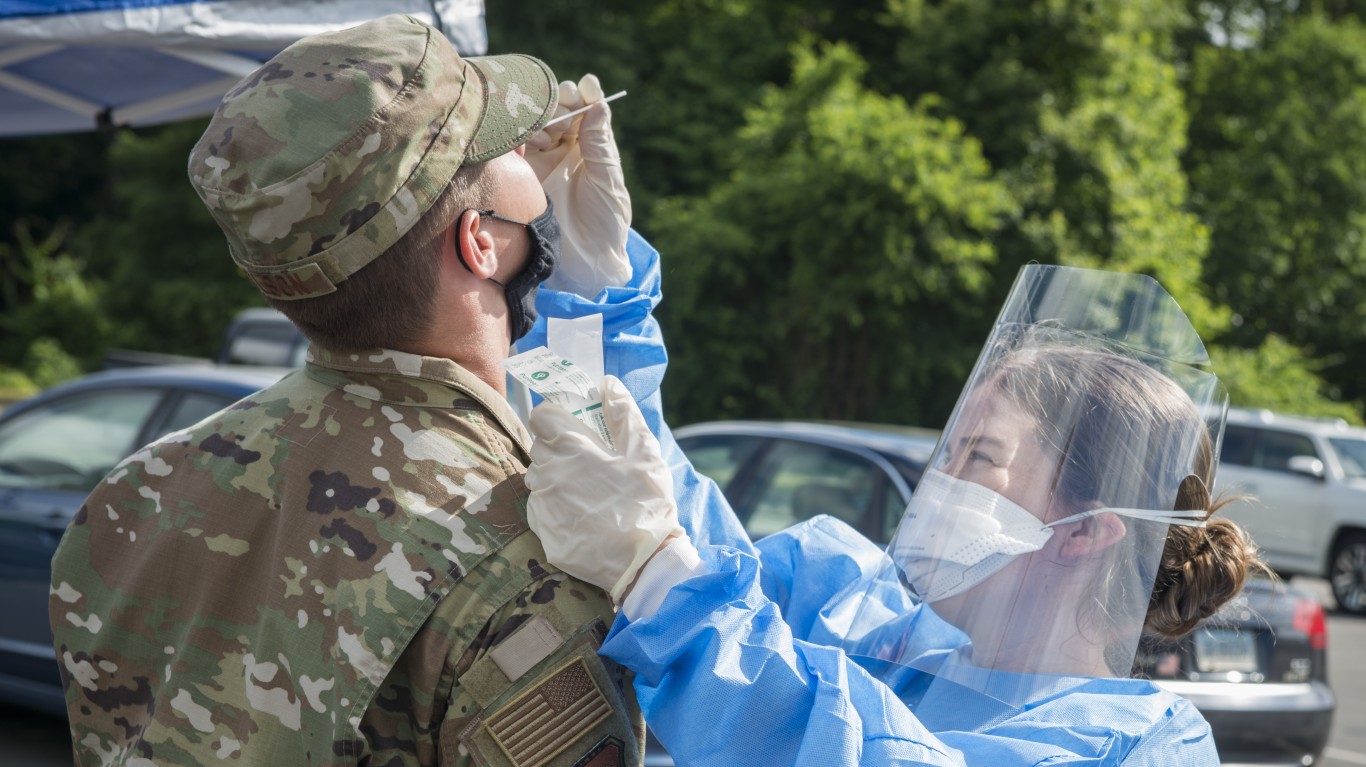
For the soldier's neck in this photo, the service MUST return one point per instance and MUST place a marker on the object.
(478, 344)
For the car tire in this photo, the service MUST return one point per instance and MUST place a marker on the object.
(1347, 573)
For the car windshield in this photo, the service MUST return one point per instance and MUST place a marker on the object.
(1352, 456)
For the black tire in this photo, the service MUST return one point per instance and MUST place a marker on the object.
(1347, 573)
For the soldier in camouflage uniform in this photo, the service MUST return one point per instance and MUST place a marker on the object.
(337, 570)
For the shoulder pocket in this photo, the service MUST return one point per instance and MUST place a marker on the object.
(549, 700)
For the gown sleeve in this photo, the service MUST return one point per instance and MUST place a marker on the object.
(723, 680)
(633, 350)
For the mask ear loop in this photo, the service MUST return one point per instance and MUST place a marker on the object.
(460, 252)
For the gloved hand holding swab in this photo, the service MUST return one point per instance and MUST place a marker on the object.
(581, 110)
(576, 159)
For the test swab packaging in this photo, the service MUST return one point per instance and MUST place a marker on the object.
(560, 381)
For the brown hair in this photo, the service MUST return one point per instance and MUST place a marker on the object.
(1200, 571)
(388, 303)
(1130, 437)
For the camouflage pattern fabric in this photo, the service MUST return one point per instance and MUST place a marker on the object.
(334, 571)
(325, 156)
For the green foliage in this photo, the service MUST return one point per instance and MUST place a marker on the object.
(837, 271)
(171, 284)
(1278, 164)
(47, 363)
(1278, 376)
(1078, 107)
(132, 259)
(50, 298)
(15, 385)
(843, 193)
(691, 68)
(47, 182)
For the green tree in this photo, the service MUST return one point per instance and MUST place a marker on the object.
(54, 319)
(46, 183)
(838, 232)
(1078, 107)
(1276, 375)
(1278, 165)
(837, 271)
(691, 67)
(171, 285)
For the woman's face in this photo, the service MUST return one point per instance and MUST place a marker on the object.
(996, 445)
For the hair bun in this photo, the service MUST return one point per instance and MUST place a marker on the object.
(1202, 569)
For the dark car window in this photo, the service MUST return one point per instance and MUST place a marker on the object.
(1276, 448)
(192, 408)
(894, 503)
(720, 457)
(1237, 448)
(69, 444)
(795, 481)
(264, 342)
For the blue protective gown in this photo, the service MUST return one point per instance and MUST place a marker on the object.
(741, 665)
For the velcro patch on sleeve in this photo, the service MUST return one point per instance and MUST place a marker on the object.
(528, 645)
(548, 718)
(609, 752)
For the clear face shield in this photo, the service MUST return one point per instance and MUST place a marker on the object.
(1025, 561)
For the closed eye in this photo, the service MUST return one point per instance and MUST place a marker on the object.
(979, 450)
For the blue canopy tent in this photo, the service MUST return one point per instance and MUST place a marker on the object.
(72, 65)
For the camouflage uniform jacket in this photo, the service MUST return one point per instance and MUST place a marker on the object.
(336, 570)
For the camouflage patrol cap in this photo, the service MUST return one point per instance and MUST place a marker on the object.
(324, 157)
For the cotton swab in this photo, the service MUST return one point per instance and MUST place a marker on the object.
(581, 110)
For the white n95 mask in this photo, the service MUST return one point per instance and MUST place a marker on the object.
(960, 533)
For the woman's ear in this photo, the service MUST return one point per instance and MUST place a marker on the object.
(1091, 536)
(472, 246)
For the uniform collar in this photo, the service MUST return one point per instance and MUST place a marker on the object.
(402, 378)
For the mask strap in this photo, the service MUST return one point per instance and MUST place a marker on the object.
(1187, 518)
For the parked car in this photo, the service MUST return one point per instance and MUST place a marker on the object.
(776, 474)
(1305, 485)
(262, 337)
(53, 449)
(257, 337)
(1257, 670)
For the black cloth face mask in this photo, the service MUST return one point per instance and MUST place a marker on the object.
(520, 291)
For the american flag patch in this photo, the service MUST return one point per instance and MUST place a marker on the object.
(548, 718)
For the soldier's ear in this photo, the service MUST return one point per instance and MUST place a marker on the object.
(473, 247)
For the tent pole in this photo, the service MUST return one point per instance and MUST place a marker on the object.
(54, 97)
(150, 109)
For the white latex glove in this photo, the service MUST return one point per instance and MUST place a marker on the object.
(599, 514)
(580, 168)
